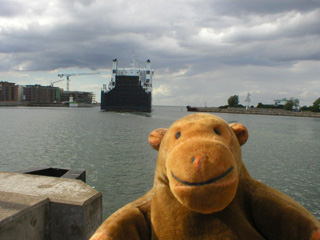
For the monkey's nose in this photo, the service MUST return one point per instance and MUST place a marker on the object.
(200, 158)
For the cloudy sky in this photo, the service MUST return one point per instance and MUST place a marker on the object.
(203, 51)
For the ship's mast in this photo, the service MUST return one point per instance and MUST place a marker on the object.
(114, 69)
(133, 61)
(114, 73)
(148, 72)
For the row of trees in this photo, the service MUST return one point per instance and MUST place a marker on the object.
(314, 108)
(233, 101)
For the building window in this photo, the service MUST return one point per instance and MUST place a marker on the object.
(12, 94)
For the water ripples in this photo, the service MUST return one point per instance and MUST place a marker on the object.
(282, 152)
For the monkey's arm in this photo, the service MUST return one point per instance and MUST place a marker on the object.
(277, 216)
(129, 222)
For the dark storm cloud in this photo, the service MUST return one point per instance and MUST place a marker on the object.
(245, 7)
(9, 8)
(186, 40)
(119, 28)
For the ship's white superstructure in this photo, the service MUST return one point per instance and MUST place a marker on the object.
(145, 75)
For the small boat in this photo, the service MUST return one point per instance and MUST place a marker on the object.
(192, 109)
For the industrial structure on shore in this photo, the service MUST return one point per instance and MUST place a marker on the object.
(11, 93)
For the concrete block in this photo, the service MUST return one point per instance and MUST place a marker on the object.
(72, 221)
(23, 217)
(75, 209)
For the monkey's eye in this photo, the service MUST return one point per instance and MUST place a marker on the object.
(217, 131)
(178, 134)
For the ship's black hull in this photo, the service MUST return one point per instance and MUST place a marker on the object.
(127, 96)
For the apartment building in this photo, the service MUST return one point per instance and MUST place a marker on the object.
(8, 92)
(41, 94)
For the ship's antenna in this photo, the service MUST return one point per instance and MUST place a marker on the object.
(133, 60)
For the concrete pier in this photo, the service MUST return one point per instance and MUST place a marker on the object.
(256, 111)
(47, 208)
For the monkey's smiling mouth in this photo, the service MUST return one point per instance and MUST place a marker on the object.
(212, 180)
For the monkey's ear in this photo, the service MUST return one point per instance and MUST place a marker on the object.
(155, 138)
(241, 132)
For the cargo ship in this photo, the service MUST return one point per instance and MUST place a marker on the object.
(129, 90)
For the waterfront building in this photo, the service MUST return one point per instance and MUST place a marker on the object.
(20, 93)
(8, 92)
(284, 101)
(41, 94)
(79, 97)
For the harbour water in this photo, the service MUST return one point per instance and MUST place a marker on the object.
(283, 152)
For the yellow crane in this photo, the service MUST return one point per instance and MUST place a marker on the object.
(68, 75)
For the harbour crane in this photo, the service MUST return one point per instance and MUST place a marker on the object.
(68, 75)
(56, 82)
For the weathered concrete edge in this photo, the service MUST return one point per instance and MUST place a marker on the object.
(56, 189)
(87, 218)
(68, 202)
(26, 210)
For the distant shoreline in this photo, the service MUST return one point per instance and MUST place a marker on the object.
(255, 111)
(58, 105)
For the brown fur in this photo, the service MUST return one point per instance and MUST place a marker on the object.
(202, 190)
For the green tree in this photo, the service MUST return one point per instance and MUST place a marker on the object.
(289, 105)
(233, 101)
(305, 108)
(296, 102)
(316, 106)
(260, 105)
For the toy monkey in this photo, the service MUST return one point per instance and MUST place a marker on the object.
(202, 190)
